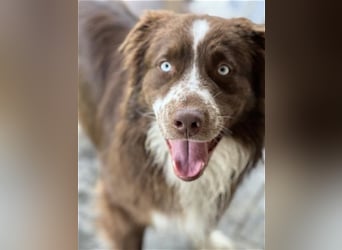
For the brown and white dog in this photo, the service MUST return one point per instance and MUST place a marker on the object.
(174, 104)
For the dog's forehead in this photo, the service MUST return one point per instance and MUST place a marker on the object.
(202, 30)
(190, 30)
(199, 30)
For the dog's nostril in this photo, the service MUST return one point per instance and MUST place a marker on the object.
(195, 124)
(178, 124)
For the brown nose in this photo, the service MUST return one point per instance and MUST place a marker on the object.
(188, 122)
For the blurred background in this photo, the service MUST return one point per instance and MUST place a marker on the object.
(244, 221)
(254, 10)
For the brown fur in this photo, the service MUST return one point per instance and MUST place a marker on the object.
(114, 94)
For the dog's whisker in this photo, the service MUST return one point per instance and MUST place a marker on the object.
(224, 129)
(228, 131)
(217, 94)
(226, 116)
(147, 114)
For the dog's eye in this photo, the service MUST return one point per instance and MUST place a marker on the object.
(223, 70)
(165, 66)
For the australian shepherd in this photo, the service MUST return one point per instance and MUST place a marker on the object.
(174, 104)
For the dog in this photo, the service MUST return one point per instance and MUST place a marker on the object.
(174, 105)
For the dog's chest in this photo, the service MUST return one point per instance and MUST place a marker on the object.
(202, 200)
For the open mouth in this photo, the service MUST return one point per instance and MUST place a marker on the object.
(189, 158)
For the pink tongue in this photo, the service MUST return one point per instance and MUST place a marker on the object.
(189, 157)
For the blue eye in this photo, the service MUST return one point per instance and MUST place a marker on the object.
(165, 66)
(223, 70)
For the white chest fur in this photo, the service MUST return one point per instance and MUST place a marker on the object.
(197, 198)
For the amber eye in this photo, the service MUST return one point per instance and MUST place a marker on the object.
(223, 70)
(165, 66)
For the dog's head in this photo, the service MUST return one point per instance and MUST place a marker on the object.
(199, 75)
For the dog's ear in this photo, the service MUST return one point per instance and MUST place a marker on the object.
(133, 50)
(254, 34)
(138, 39)
(257, 36)
(257, 40)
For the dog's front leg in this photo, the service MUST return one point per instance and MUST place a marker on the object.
(119, 230)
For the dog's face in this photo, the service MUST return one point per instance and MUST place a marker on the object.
(198, 75)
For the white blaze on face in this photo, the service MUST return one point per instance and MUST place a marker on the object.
(190, 84)
(199, 30)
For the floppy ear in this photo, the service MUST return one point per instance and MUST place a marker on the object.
(138, 40)
(257, 36)
(133, 50)
(254, 34)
